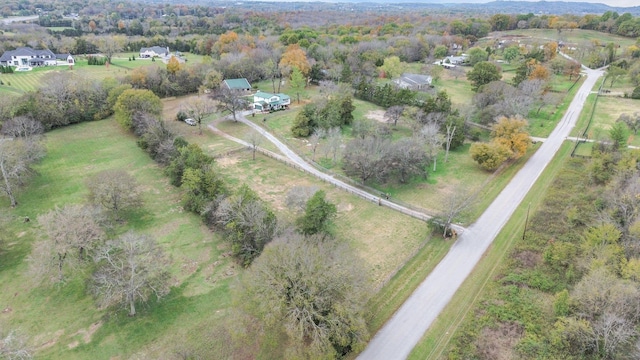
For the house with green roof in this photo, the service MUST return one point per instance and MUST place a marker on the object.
(264, 101)
(237, 84)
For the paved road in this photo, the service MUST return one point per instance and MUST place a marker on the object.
(12, 19)
(402, 332)
(297, 160)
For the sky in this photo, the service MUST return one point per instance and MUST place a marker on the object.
(620, 3)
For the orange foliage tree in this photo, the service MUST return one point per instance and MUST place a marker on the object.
(294, 56)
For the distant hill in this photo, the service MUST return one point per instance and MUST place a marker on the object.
(440, 6)
(512, 7)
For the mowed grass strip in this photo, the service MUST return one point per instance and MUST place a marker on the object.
(62, 321)
(435, 341)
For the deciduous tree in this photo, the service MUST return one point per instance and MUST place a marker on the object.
(317, 216)
(489, 155)
(247, 222)
(512, 133)
(16, 159)
(131, 269)
(135, 101)
(483, 72)
(71, 234)
(115, 190)
(314, 292)
(230, 100)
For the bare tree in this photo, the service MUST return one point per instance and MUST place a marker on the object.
(13, 346)
(115, 190)
(22, 127)
(394, 113)
(254, 139)
(198, 108)
(367, 158)
(131, 269)
(230, 100)
(409, 158)
(451, 130)
(109, 45)
(72, 232)
(298, 196)
(632, 121)
(453, 205)
(314, 140)
(334, 142)
(16, 158)
(430, 135)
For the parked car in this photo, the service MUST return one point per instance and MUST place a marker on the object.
(190, 121)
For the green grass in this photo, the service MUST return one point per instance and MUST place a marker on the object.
(542, 124)
(58, 315)
(576, 36)
(394, 293)
(436, 340)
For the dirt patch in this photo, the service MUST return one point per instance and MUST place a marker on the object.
(345, 207)
(528, 259)
(226, 161)
(498, 343)
(171, 106)
(85, 333)
(377, 115)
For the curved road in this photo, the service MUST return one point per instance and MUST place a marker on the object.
(402, 332)
(297, 160)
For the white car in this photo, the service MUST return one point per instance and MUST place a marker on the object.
(190, 121)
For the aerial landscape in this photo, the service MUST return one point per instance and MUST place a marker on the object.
(319, 180)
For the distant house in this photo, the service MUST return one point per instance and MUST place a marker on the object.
(413, 81)
(26, 56)
(237, 84)
(66, 58)
(263, 101)
(149, 52)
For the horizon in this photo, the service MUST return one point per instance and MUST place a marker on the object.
(612, 3)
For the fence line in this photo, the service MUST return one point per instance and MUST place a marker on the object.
(582, 138)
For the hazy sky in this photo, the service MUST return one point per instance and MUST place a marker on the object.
(624, 3)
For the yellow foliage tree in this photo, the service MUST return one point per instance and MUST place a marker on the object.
(227, 42)
(539, 72)
(550, 50)
(511, 132)
(294, 56)
(173, 66)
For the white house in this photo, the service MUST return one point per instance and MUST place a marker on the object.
(263, 101)
(149, 52)
(413, 81)
(26, 56)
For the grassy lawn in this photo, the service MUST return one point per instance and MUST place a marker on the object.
(576, 36)
(435, 341)
(542, 124)
(383, 238)
(62, 321)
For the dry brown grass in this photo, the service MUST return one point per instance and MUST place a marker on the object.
(383, 239)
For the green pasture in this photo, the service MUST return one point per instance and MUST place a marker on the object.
(62, 321)
(576, 36)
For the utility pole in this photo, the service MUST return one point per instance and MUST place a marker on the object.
(526, 220)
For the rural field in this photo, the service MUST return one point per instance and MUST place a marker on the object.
(202, 272)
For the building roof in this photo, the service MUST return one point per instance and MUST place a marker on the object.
(237, 84)
(156, 49)
(26, 51)
(266, 95)
(62, 56)
(416, 79)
